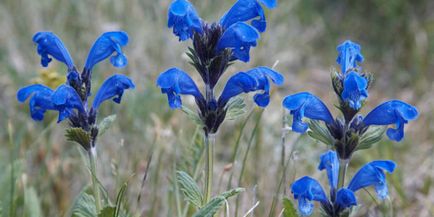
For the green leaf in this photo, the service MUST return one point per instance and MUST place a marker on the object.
(371, 136)
(235, 108)
(318, 131)
(216, 203)
(84, 206)
(192, 115)
(289, 210)
(108, 211)
(31, 203)
(78, 135)
(105, 124)
(189, 188)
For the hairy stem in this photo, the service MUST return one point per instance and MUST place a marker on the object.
(209, 166)
(92, 161)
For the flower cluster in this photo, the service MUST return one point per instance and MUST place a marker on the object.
(215, 46)
(306, 189)
(351, 87)
(70, 100)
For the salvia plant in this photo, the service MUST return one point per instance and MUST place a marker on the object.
(345, 135)
(71, 100)
(215, 46)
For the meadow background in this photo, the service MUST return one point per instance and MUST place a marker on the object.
(41, 174)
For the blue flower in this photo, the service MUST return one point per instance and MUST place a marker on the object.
(48, 44)
(107, 44)
(372, 174)
(330, 162)
(306, 190)
(392, 112)
(182, 16)
(66, 99)
(355, 90)
(40, 100)
(175, 82)
(307, 105)
(239, 37)
(245, 10)
(252, 80)
(349, 55)
(113, 86)
(345, 198)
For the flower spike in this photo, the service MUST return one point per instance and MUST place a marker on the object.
(305, 104)
(392, 112)
(183, 18)
(174, 82)
(49, 44)
(107, 44)
(113, 86)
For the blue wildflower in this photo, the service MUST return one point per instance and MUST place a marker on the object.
(305, 104)
(306, 189)
(107, 44)
(50, 44)
(355, 90)
(71, 99)
(184, 19)
(372, 175)
(349, 55)
(392, 112)
(240, 37)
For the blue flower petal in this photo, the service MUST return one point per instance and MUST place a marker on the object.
(107, 44)
(345, 198)
(355, 90)
(306, 190)
(307, 105)
(239, 37)
(349, 55)
(175, 82)
(330, 162)
(252, 80)
(40, 100)
(66, 99)
(245, 10)
(113, 86)
(372, 175)
(50, 45)
(392, 112)
(182, 16)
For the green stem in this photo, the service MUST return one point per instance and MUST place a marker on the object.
(342, 172)
(209, 167)
(92, 157)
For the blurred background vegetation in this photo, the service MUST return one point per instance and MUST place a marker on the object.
(41, 174)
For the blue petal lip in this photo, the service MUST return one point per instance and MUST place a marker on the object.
(245, 10)
(372, 174)
(49, 44)
(306, 190)
(40, 100)
(349, 53)
(112, 87)
(330, 162)
(355, 90)
(252, 80)
(392, 112)
(182, 16)
(239, 37)
(305, 104)
(175, 82)
(269, 3)
(345, 198)
(66, 99)
(106, 45)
